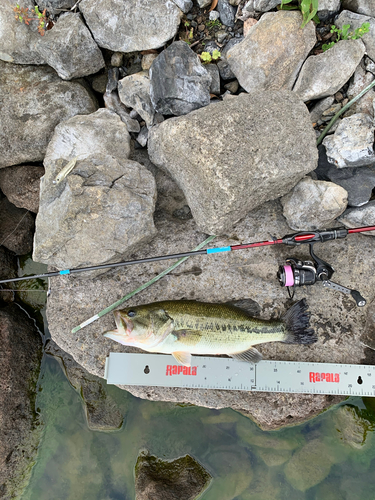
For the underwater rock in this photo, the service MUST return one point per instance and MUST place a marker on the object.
(352, 429)
(20, 430)
(183, 478)
(273, 458)
(101, 411)
(309, 466)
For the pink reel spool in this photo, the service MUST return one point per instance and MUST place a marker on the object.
(289, 276)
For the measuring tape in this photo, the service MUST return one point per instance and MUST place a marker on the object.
(159, 370)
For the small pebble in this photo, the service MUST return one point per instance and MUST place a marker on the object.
(201, 27)
(116, 59)
(221, 36)
(232, 86)
(339, 97)
(147, 60)
(214, 15)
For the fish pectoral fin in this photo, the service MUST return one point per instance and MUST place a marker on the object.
(184, 358)
(252, 355)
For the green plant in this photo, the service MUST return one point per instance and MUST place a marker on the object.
(22, 15)
(345, 34)
(212, 24)
(207, 58)
(309, 9)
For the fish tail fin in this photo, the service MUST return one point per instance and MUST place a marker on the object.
(297, 322)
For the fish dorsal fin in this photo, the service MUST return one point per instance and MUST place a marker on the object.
(250, 306)
(252, 355)
(184, 358)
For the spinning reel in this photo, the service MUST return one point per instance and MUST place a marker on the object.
(298, 273)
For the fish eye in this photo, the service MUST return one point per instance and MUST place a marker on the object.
(131, 314)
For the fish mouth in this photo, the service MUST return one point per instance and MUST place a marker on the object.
(124, 325)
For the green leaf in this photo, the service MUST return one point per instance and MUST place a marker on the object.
(289, 7)
(327, 46)
(344, 32)
(216, 54)
(285, 2)
(309, 9)
(206, 57)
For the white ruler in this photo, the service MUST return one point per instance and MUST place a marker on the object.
(159, 370)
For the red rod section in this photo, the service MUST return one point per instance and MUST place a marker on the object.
(304, 237)
(361, 229)
(253, 245)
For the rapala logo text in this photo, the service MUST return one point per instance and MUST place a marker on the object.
(181, 370)
(324, 377)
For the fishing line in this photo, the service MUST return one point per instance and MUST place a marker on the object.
(9, 235)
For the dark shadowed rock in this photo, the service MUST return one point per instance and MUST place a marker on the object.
(70, 49)
(34, 100)
(20, 431)
(361, 216)
(101, 411)
(56, 6)
(183, 478)
(179, 82)
(366, 7)
(227, 12)
(224, 68)
(228, 174)
(8, 270)
(20, 184)
(132, 25)
(16, 228)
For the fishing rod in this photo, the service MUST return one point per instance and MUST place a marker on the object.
(293, 273)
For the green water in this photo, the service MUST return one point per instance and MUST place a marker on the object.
(75, 463)
(331, 457)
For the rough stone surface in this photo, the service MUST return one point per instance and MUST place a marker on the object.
(360, 80)
(19, 241)
(326, 73)
(20, 184)
(273, 51)
(20, 431)
(320, 107)
(265, 5)
(361, 216)
(133, 25)
(55, 6)
(215, 78)
(352, 143)
(227, 12)
(184, 5)
(228, 175)
(221, 278)
(113, 103)
(18, 42)
(104, 208)
(327, 8)
(134, 92)
(368, 334)
(183, 478)
(356, 21)
(366, 7)
(70, 49)
(34, 100)
(101, 411)
(179, 82)
(314, 204)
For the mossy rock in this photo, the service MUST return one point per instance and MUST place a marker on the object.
(268, 439)
(183, 478)
(272, 457)
(351, 427)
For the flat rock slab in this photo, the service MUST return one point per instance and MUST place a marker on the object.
(272, 52)
(34, 100)
(356, 21)
(231, 157)
(132, 25)
(222, 278)
(366, 7)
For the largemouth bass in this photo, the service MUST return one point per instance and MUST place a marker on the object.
(185, 327)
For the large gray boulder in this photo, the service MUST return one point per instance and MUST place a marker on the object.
(132, 25)
(273, 51)
(34, 100)
(323, 75)
(228, 276)
(18, 41)
(233, 156)
(179, 81)
(134, 92)
(359, 217)
(70, 49)
(104, 208)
